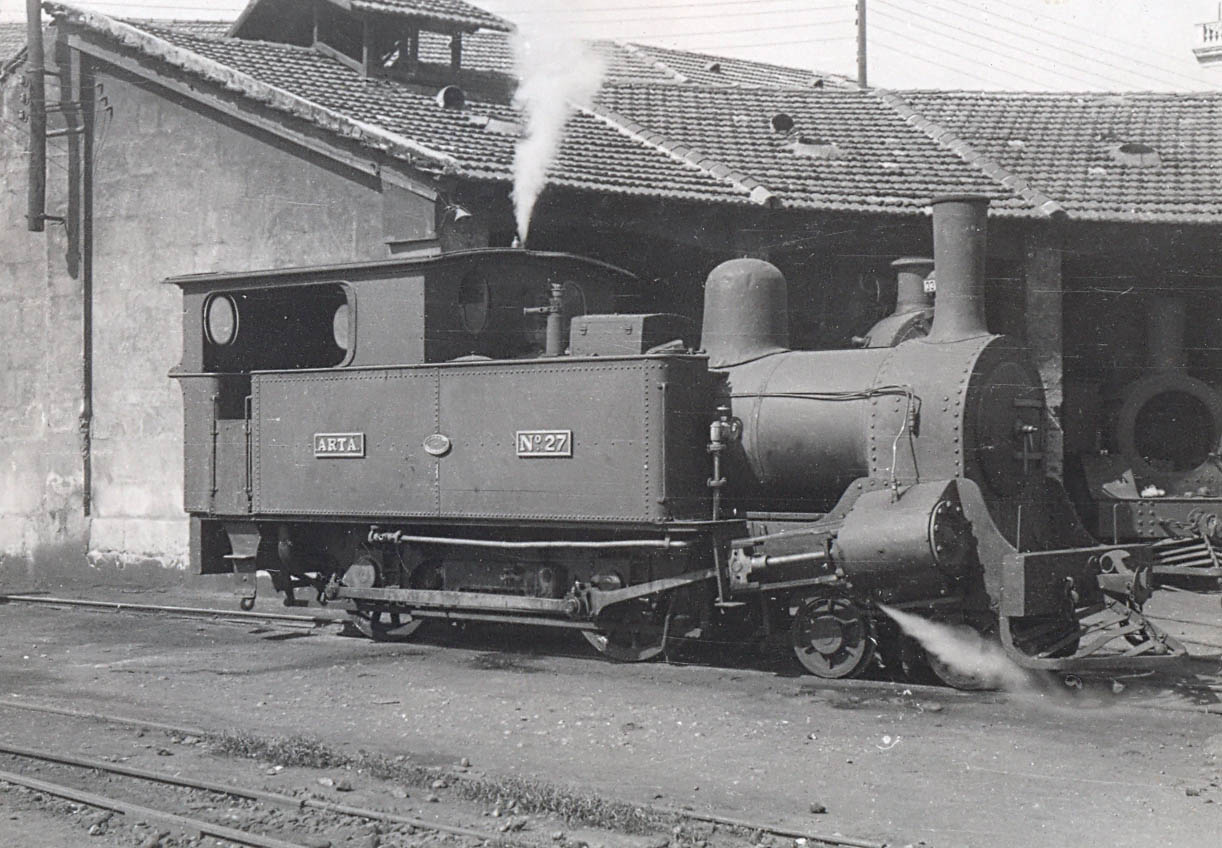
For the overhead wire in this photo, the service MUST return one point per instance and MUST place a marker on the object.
(977, 69)
(667, 18)
(992, 44)
(1162, 74)
(94, 5)
(1126, 55)
(742, 46)
(787, 27)
(845, 4)
(569, 13)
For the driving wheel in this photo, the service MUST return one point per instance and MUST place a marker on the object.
(833, 637)
(634, 634)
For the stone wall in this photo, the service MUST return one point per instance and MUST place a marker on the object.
(40, 362)
(177, 188)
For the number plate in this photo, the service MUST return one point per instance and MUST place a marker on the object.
(545, 443)
(339, 445)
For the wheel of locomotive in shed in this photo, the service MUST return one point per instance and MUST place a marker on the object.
(833, 637)
(633, 631)
(383, 625)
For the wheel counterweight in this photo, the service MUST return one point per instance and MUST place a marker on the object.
(833, 637)
(636, 634)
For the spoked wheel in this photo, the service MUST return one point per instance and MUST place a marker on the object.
(976, 668)
(635, 634)
(833, 637)
(383, 626)
(957, 678)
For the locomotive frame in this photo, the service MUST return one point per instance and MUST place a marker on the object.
(410, 437)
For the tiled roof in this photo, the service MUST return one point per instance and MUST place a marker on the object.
(655, 132)
(846, 149)
(657, 139)
(1066, 146)
(410, 124)
(211, 29)
(450, 11)
(491, 51)
(720, 70)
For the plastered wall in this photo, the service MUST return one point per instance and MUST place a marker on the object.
(177, 189)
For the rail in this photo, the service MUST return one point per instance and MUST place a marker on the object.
(836, 840)
(140, 812)
(285, 619)
(286, 801)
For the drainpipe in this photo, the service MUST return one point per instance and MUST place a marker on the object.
(36, 205)
(77, 102)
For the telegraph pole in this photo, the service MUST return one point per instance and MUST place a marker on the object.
(861, 43)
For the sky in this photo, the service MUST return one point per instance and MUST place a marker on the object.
(1028, 45)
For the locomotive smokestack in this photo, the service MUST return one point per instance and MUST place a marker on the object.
(910, 294)
(959, 224)
(746, 312)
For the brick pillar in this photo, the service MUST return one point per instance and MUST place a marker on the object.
(1044, 332)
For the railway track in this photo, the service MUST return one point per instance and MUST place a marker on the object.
(193, 825)
(287, 620)
(250, 795)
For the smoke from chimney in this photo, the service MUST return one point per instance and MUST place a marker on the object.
(557, 73)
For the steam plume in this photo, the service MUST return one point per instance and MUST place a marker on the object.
(964, 650)
(557, 73)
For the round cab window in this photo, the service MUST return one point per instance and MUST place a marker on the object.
(473, 301)
(341, 325)
(221, 319)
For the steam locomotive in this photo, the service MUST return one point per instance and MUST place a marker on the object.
(1158, 472)
(481, 436)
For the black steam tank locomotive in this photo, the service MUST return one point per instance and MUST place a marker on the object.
(1158, 473)
(412, 438)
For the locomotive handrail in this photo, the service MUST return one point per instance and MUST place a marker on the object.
(396, 537)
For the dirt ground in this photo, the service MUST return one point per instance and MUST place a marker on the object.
(1131, 761)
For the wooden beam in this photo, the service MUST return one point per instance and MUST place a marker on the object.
(342, 58)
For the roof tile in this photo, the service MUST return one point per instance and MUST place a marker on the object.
(1035, 155)
(450, 11)
(1062, 143)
